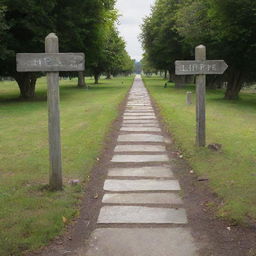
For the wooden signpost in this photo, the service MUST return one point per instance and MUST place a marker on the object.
(52, 62)
(200, 67)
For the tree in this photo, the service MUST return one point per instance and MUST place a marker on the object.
(147, 67)
(79, 25)
(3, 28)
(161, 42)
(113, 58)
(127, 64)
(28, 23)
(227, 28)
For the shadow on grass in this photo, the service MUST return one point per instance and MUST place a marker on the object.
(65, 93)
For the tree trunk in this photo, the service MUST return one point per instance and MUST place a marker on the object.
(27, 84)
(81, 81)
(165, 74)
(180, 81)
(234, 86)
(96, 78)
(170, 76)
(108, 75)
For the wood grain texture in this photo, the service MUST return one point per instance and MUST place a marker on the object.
(200, 54)
(53, 98)
(50, 62)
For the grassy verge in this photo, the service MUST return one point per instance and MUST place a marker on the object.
(231, 172)
(30, 215)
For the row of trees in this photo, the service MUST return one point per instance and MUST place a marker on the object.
(227, 28)
(82, 26)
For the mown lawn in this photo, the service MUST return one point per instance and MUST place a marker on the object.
(30, 215)
(231, 172)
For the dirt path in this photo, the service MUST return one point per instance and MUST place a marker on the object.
(134, 205)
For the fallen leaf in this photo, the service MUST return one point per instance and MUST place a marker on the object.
(64, 219)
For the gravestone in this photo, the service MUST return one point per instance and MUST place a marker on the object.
(200, 67)
(52, 62)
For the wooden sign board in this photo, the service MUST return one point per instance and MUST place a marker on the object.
(208, 67)
(50, 62)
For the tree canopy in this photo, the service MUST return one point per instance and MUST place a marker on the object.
(227, 28)
(80, 25)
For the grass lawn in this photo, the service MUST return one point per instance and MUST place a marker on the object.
(231, 172)
(30, 215)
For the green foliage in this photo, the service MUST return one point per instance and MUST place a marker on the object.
(114, 56)
(160, 39)
(147, 67)
(3, 28)
(227, 28)
(82, 26)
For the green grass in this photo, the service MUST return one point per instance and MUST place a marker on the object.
(30, 215)
(231, 172)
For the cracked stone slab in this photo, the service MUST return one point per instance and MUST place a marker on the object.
(140, 129)
(139, 158)
(144, 198)
(129, 242)
(140, 138)
(141, 214)
(148, 171)
(141, 185)
(140, 148)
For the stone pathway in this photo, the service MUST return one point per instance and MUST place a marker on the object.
(142, 212)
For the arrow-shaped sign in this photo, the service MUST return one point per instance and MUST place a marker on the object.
(194, 67)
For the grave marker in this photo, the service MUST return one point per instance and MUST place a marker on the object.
(52, 62)
(200, 67)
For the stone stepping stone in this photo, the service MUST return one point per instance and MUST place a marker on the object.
(140, 121)
(139, 158)
(139, 108)
(139, 114)
(141, 185)
(142, 198)
(140, 148)
(140, 138)
(141, 215)
(153, 117)
(141, 125)
(142, 242)
(149, 172)
(128, 111)
(138, 104)
(140, 129)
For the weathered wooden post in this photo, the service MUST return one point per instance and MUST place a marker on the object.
(189, 98)
(52, 62)
(200, 55)
(53, 98)
(200, 67)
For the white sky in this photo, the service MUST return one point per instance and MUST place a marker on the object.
(133, 12)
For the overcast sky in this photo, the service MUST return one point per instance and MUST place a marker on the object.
(133, 12)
